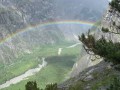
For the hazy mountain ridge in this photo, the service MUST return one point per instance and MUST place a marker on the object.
(32, 11)
(83, 10)
(80, 9)
(15, 15)
(25, 12)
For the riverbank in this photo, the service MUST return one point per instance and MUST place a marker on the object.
(24, 76)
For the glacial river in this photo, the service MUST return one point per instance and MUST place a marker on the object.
(31, 72)
(24, 76)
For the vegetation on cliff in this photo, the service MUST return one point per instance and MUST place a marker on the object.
(107, 49)
(115, 4)
(33, 86)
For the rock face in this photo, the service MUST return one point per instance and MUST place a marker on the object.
(95, 74)
(17, 14)
(111, 20)
(10, 21)
(92, 78)
(32, 11)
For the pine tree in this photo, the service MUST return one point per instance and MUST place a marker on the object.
(31, 86)
(51, 87)
(115, 4)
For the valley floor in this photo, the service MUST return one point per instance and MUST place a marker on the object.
(59, 64)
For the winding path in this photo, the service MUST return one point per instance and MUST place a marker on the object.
(72, 46)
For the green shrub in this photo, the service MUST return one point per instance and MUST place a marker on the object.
(51, 87)
(105, 30)
(115, 85)
(115, 4)
(31, 86)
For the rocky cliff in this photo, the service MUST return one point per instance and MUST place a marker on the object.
(91, 73)
(111, 20)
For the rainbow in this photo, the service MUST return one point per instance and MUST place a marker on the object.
(44, 24)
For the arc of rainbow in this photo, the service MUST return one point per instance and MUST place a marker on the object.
(44, 24)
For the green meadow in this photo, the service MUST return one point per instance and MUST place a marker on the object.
(57, 69)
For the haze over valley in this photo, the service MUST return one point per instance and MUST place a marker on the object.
(39, 39)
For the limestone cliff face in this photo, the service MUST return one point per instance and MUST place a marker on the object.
(111, 20)
(95, 74)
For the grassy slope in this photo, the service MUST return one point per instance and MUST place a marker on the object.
(56, 71)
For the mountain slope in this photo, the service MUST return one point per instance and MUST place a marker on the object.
(80, 9)
(16, 16)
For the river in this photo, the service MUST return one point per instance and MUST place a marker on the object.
(24, 76)
(31, 72)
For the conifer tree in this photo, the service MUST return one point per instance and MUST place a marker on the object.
(31, 86)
